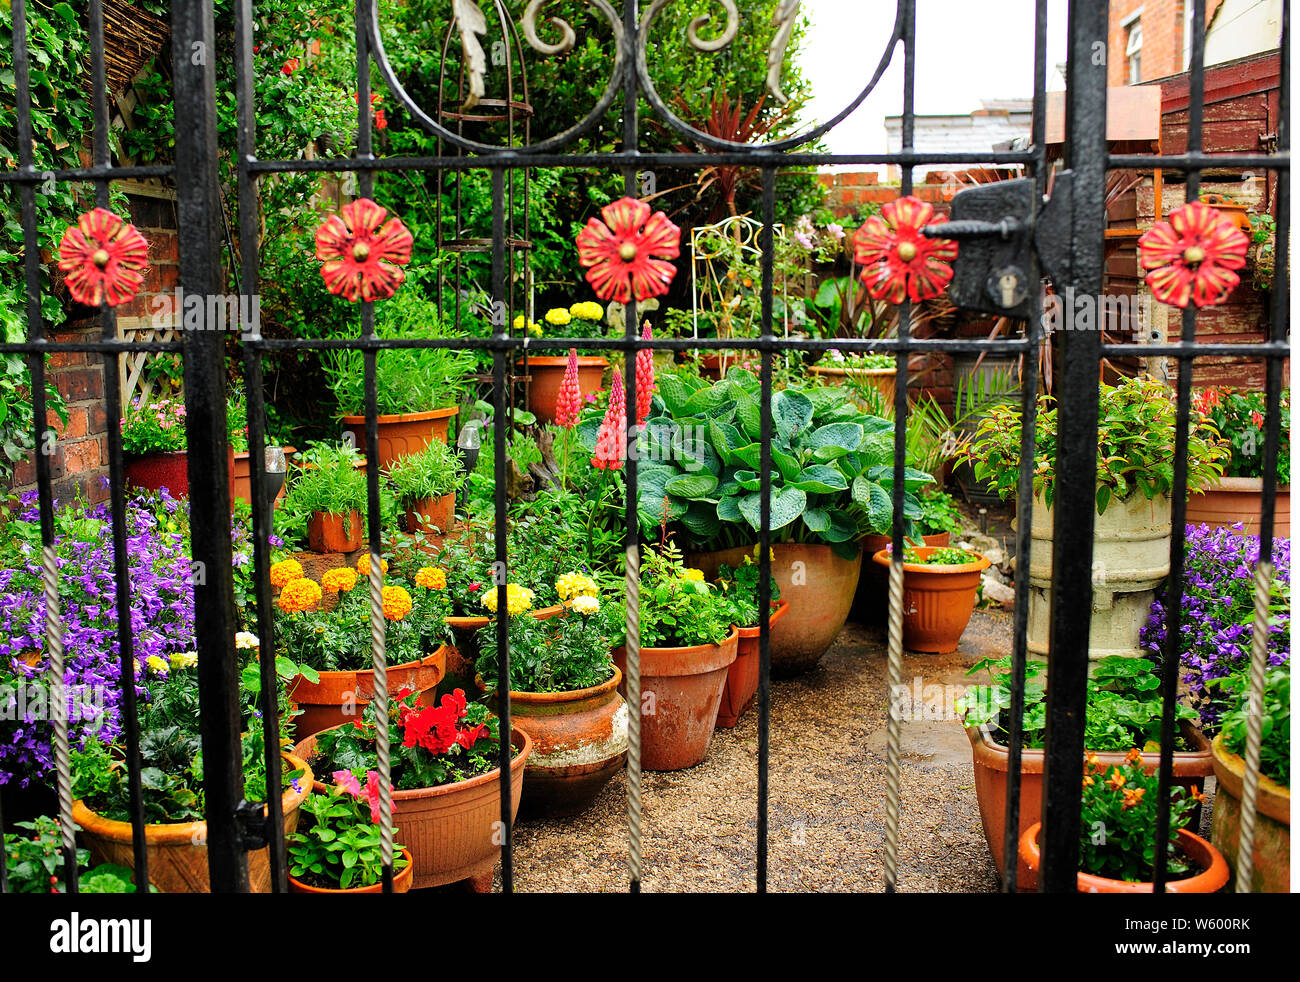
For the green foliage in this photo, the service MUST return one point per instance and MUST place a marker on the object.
(337, 846)
(433, 472)
(1239, 417)
(740, 586)
(938, 511)
(17, 432)
(34, 863)
(678, 609)
(1275, 720)
(328, 481)
(942, 556)
(561, 654)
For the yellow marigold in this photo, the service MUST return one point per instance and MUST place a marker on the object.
(363, 566)
(535, 329)
(285, 571)
(157, 663)
(431, 578)
(572, 585)
(586, 605)
(299, 595)
(339, 580)
(185, 659)
(518, 599)
(558, 316)
(397, 603)
(694, 574)
(519, 322)
(587, 310)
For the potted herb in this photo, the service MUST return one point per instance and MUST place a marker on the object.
(564, 695)
(426, 483)
(331, 488)
(687, 646)
(337, 847)
(740, 586)
(1118, 831)
(1123, 710)
(1135, 457)
(546, 372)
(1235, 498)
(940, 587)
(325, 627)
(446, 784)
(938, 522)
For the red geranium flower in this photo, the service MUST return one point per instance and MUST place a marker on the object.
(898, 262)
(1192, 256)
(381, 121)
(610, 445)
(104, 257)
(362, 254)
(626, 252)
(290, 66)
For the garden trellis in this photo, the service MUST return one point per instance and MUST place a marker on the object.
(1008, 239)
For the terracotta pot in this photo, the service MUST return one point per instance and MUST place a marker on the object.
(881, 379)
(1236, 213)
(743, 675)
(871, 601)
(937, 600)
(579, 743)
(177, 853)
(1213, 878)
(340, 697)
(1272, 852)
(546, 372)
(1191, 767)
(716, 364)
(451, 831)
(1238, 499)
(401, 882)
(431, 514)
(403, 434)
(681, 690)
(243, 471)
(327, 532)
(819, 601)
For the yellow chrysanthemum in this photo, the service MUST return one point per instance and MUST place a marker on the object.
(518, 599)
(299, 595)
(339, 580)
(397, 603)
(431, 578)
(558, 316)
(363, 566)
(694, 574)
(285, 571)
(572, 585)
(586, 605)
(157, 663)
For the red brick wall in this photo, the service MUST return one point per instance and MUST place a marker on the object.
(847, 191)
(1162, 38)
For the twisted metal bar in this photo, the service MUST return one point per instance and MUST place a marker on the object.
(58, 707)
(380, 663)
(1254, 727)
(894, 731)
(632, 594)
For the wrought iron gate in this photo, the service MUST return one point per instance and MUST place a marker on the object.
(1017, 237)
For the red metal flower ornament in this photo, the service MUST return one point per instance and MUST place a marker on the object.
(898, 262)
(1192, 256)
(104, 259)
(626, 251)
(363, 255)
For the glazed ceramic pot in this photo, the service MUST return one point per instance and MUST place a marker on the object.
(992, 760)
(681, 690)
(1239, 499)
(1212, 878)
(341, 697)
(546, 372)
(151, 472)
(451, 831)
(743, 675)
(938, 600)
(402, 434)
(431, 514)
(401, 882)
(177, 852)
(579, 743)
(1272, 853)
(871, 601)
(327, 532)
(819, 586)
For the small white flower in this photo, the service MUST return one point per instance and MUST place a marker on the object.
(246, 641)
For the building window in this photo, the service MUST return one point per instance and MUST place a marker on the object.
(1133, 52)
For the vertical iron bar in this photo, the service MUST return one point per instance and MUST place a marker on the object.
(768, 245)
(199, 216)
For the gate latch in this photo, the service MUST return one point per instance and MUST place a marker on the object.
(251, 819)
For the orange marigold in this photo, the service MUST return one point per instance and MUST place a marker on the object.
(1133, 797)
(285, 571)
(298, 595)
(397, 603)
(431, 578)
(1116, 780)
(339, 580)
(363, 566)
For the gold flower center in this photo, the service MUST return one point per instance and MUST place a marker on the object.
(627, 252)
(1193, 255)
(100, 258)
(907, 251)
(361, 252)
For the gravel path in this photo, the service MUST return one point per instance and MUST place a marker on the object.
(827, 793)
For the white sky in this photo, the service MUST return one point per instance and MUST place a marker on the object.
(966, 50)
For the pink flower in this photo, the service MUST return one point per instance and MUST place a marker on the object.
(347, 781)
(645, 377)
(372, 794)
(610, 446)
(569, 400)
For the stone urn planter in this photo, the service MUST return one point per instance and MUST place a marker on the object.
(938, 600)
(579, 743)
(871, 600)
(1212, 878)
(681, 690)
(818, 585)
(178, 852)
(451, 831)
(401, 434)
(327, 532)
(743, 675)
(991, 760)
(1272, 853)
(546, 372)
(341, 697)
(401, 882)
(1130, 559)
(1240, 499)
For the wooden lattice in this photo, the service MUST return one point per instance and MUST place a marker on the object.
(132, 366)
